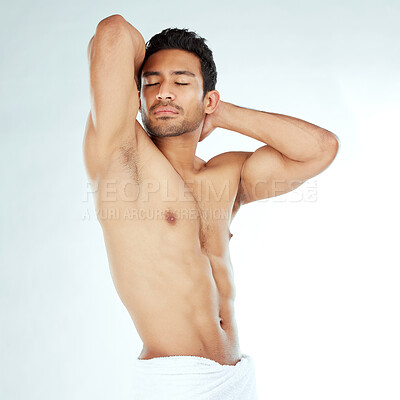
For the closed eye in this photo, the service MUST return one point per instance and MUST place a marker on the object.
(178, 83)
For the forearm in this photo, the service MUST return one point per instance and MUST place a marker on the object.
(297, 139)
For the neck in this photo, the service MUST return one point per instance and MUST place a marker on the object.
(180, 151)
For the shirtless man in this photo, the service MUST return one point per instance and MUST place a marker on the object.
(165, 213)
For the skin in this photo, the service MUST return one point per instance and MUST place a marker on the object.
(165, 213)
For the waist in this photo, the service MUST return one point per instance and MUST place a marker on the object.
(222, 347)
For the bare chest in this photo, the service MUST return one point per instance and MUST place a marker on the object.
(147, 196)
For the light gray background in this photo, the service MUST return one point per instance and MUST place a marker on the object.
(317, 270)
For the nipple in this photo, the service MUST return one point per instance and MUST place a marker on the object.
(170, 217)
(230, 235)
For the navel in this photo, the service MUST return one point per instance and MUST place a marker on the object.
(170, 217)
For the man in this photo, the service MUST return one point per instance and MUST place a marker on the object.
(165, 213)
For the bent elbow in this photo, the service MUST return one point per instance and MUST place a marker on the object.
(112, 18)
(331, 147)
(111, 24)
(329, 142)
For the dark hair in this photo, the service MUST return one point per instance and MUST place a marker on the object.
(183, 39)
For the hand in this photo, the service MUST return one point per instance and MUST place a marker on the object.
(208, 126)
(211, 121)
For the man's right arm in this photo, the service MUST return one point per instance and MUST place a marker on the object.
(115, 53)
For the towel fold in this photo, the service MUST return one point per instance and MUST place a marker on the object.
(193, 378)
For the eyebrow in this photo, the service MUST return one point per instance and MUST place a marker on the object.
(156, 73)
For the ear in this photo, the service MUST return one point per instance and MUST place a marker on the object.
(211, 101)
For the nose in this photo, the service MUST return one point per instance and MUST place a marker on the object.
(165, 92)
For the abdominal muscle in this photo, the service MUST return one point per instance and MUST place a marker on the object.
(180, 299)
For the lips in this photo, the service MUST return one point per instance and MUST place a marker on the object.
(165, 110)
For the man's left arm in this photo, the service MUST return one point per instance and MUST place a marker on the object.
(295, 150)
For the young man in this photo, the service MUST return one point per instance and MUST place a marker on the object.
(165, 213)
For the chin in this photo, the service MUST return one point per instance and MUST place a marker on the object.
(166, 126)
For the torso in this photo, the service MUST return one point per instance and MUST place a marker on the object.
(167, 239)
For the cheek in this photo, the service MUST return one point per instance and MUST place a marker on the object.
(198, 94)
(143, 105)
(196, 98)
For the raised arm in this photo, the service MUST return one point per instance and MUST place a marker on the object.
(115, 53)
(295, 150)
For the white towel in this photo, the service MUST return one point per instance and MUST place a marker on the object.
(194, 378)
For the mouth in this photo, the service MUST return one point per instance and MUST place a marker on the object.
(165, 111)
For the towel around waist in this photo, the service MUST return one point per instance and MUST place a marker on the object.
(193, 377)
(189, 364)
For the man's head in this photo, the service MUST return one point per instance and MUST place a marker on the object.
(183, 39)
(178, 72)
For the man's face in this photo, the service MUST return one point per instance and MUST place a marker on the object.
(172, 93)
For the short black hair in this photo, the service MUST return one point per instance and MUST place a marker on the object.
(183, 39)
